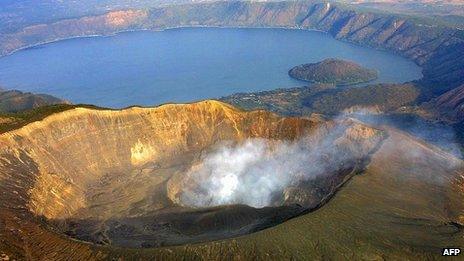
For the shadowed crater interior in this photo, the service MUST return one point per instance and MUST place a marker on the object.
(176, 174)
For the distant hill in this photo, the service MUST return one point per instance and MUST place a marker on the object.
(336, 71)
(15, 101)
(448, 106)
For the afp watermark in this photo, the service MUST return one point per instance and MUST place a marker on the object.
(451, 251)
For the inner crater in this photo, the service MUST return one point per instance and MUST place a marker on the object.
(177, 174)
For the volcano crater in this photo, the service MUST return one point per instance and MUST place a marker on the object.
(176, 174)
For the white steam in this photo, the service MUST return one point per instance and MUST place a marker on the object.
(249, 173)
(259, 172)
(255, 172)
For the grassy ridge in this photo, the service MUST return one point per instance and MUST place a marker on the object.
(11, 121)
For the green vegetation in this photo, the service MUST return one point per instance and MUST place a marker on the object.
(282, 101)
(11, 121)
(333, 71)
(386, 97)
(326, 99)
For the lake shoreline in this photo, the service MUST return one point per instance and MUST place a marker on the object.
(204, 26)
(155, 30)
(250, 60)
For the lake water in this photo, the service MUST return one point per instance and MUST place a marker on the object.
(181, 65)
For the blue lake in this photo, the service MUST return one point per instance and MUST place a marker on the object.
(182, 65)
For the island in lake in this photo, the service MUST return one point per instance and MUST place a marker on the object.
(335, 71)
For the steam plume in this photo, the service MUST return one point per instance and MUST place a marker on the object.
(257, 171)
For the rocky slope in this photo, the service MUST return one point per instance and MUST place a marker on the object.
(439, 50)
(335, 71)
(15, 101)
(53, 185)
(15, 15)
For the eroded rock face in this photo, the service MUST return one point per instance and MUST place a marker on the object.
(118, 177)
